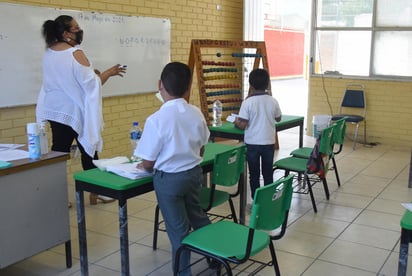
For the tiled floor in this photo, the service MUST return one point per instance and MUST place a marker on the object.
(356, 232)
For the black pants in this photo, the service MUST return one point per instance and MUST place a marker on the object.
(62, 139)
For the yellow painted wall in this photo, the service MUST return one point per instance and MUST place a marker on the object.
(190, 19)
(389, 107)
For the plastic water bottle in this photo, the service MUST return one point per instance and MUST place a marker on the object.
(44, 144)
(33, 140)
(135, 134)
(217, 113)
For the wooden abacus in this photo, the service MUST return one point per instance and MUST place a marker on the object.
(223, 76)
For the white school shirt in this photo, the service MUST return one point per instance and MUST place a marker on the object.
(261, 111)
(71, 95)
(173, 137)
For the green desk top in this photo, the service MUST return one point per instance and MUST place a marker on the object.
(116, 182)
(228, 127)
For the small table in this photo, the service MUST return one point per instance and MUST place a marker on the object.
(121, 188)
(229, 131)
(33, 208)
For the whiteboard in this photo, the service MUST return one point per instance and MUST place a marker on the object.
(141, 43)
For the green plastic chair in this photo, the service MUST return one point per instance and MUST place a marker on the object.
(321, 154)
(338, 139)
(228, 242)
(406, 238)
(227, 168)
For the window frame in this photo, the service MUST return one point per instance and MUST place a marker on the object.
(373, 29)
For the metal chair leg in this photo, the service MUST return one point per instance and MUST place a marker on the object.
(156, 227)
(355, 139)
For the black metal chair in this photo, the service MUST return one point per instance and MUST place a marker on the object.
(353, 107)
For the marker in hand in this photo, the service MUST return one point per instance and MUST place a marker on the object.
(123, 66)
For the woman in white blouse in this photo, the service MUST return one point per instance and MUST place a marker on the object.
(71, 94)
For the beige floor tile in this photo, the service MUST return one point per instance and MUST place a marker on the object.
(379, 220)
(400, 193)
(391, 265)
(143, 260)
(45, 263)
(326, 268)
(96, 218)
(350, 200)
(289, 264)
(363, 189)
(303, 244)
(338, 212)
(355, 255)
(386, 206)
(313, 224)
(370, 236)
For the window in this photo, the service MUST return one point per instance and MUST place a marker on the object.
(365, 38)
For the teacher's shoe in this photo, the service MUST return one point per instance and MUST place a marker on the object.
(94, 198)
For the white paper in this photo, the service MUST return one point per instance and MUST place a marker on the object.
(13, 154)
(408, 206)
(232, 117)
(128, 170)
(10, 146)
(103, 163)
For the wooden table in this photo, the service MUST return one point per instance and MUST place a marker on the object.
(33, 208)
(120, 188)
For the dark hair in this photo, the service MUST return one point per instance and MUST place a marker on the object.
(53, 29)
(259, 79)
(176, 78)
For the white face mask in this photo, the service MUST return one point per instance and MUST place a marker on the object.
(159, 97)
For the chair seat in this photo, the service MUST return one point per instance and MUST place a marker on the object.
(406, 221)
(291, 164)
(303, 152)
(219, 198)
(231, 242)
(349, 118)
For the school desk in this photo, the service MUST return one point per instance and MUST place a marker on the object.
(121, 189)
(229, 131)
(33, 208)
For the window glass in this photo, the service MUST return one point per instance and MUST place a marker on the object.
(343, 52)
(393, 54)
(348, 13)
(394, 13)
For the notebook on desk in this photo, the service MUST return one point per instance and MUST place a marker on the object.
(128, 170)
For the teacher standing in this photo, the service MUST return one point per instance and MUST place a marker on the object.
(71, 94)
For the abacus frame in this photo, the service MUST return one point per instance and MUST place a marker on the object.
(195, 62)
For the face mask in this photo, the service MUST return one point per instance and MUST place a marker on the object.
(159, 97)
(79, 36)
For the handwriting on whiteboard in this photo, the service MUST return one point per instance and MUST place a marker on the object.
(142, 41)
(101, 18)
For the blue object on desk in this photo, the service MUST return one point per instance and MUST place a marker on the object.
(4, 164)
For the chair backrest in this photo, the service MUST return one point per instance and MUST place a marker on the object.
(353, 100)
(271, 205)
(339, 131)
(228, 166)
(326, 140)
(318, 162)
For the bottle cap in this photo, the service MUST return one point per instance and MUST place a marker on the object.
(32, 128)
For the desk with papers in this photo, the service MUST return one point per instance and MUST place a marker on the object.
(121, 188)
